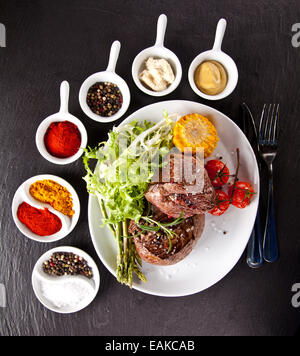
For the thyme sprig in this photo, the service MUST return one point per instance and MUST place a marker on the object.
(220, 174)
(236, 174)
(161, 226)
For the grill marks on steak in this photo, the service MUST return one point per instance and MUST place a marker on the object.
(153, 246)
(188, 191)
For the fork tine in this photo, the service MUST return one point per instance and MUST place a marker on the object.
(260, 138)
(267, 123)
(271, 123)
(275, 131)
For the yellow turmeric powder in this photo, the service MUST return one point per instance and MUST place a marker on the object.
(49, 191)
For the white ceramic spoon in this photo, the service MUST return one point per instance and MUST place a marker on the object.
(218, 55)
(157, 51)
(62, 115)
(109, 75)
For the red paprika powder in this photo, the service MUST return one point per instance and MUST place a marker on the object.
(40, 221)
(62, 139)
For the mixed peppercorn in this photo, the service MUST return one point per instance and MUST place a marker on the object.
(67, 263)
(104, 99)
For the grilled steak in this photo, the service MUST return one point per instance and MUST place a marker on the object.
(183, 186)
(153, 247)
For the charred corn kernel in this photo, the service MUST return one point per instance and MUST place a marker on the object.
(195, 131)
(49, 191)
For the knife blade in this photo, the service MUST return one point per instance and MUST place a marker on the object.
(254, 249)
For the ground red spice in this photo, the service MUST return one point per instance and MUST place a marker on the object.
(62, 139)
(40, 221)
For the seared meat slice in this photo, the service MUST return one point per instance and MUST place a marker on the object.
(153, 246)
(186, 190)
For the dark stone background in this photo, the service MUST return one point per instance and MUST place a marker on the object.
(50, 41)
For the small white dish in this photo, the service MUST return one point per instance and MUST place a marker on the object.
(157, 51)
(218, 55)
(62, 115)
(37, 282)
(109, 75)
(22, 195)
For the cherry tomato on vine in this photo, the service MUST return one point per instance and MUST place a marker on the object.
(217, 172)
(242, 194)
(222, 203)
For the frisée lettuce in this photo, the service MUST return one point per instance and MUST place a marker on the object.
(126, 163)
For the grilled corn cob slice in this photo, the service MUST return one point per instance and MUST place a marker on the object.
(195, 131)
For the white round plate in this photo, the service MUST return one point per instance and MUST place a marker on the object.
(37, 286)
(224, 238)
(22, 194)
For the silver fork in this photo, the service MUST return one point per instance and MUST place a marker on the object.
(267, 148)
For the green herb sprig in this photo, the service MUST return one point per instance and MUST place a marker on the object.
(162, 226)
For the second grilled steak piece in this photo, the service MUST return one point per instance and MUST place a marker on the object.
(187, 191)
(153, 246)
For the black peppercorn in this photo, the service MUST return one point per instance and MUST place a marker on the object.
(64, 263)
(104, 99)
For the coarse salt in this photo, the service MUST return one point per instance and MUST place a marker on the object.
(66, 295)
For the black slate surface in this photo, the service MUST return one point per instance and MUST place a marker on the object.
(50, 41)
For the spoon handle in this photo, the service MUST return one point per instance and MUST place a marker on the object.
(64, 96)
(113, 56)
(161, 30)
(221, 27)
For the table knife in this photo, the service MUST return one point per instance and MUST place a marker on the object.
(254, 249)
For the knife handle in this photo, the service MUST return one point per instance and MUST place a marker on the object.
(270, 246)
(254, 251)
